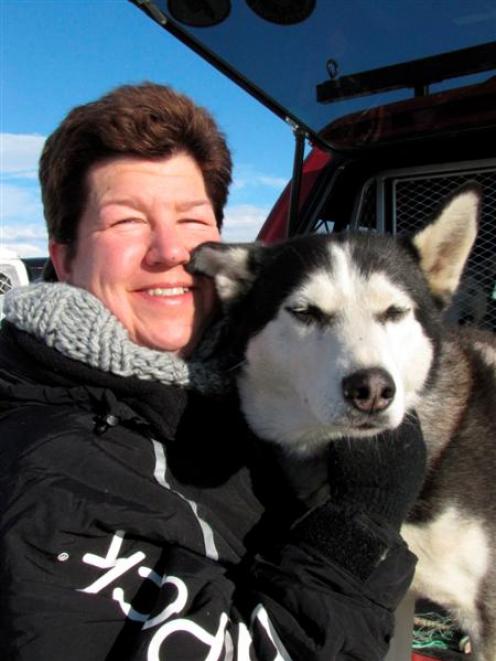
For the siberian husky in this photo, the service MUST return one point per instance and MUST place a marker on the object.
(343, 336)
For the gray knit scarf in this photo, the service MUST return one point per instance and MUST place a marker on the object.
(78, 325)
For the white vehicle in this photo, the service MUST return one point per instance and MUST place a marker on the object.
(13, 272)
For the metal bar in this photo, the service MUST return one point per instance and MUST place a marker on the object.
(415, 74)
(296, 180)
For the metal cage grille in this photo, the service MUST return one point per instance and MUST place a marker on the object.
(6, 282)
(416, 199)
(411, 197)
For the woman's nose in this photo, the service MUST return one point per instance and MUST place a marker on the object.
(167, 247)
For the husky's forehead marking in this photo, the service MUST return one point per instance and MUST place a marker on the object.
(344, 289)
(330, 286)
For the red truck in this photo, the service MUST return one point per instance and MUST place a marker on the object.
(397, 101)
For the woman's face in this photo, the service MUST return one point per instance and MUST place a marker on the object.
(141, 222)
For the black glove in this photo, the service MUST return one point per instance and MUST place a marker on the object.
(381, 476)
(373, 485)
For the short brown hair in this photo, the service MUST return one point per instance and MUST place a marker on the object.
(145, 120)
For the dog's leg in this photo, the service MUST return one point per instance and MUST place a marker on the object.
(457, 574)
(485, 643)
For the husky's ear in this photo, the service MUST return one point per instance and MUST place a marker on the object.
(445, 244)
(233, 266)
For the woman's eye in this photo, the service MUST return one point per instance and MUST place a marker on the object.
(393, 313)
(309, 314)
(128, 221)
(201, 222)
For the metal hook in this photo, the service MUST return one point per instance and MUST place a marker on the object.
(332, 68)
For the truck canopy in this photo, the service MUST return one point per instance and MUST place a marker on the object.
(314, 62)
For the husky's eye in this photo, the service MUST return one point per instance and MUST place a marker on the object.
(393, 313)
(310, 314)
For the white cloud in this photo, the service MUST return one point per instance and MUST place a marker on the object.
(20, 204)
(24, 240)
(22, 249)
(246, 176)
(15, 233)
(272, 182)
(22, 227)
(242, 222)
(19, 154)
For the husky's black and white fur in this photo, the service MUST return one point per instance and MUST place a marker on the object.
(342, 336)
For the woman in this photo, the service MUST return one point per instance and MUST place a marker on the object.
(139, 517)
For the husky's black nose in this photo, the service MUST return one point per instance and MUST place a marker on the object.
(369, 390)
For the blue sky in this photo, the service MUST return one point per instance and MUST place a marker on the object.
(55, 55)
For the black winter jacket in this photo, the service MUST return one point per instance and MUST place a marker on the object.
(140, 521)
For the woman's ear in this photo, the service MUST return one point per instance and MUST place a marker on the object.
(59, 256)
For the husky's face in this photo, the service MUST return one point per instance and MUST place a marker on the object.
(344, 354)
(340, 333)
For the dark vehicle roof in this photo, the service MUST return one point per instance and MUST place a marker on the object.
(315, 62)
(34, 266)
